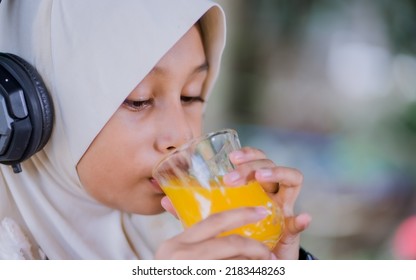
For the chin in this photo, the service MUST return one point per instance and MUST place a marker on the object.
(153, 211)
(150, 209)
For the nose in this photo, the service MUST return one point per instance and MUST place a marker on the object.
(175, 129)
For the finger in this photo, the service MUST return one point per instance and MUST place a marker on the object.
(222, 222)
(298, 224)
(239, 247)
(227, 247)
(289, 184)
(287, 176)
(167, 205)
(246, 154)
(288, 246)
(246, 172)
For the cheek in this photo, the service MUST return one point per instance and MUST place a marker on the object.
(107, 170)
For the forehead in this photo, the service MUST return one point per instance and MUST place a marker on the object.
(188, 51)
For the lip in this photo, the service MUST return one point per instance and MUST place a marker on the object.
(156, 185)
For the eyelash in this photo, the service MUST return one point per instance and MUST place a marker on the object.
(191, 99)
(138, 105)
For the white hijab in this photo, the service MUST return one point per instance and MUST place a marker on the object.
(91, 54)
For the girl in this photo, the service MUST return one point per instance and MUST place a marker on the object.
(129, 82)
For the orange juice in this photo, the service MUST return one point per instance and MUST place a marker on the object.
(194, 202)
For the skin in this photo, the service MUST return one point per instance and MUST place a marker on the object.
(164, 111)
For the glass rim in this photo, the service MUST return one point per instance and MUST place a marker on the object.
(191, 142)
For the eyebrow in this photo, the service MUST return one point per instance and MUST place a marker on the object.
(200, 68)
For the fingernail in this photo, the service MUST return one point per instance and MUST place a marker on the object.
(236, 156)
(232, 177)
(265, 173)
(261, 212)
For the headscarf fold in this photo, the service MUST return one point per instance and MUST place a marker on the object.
(91, 54)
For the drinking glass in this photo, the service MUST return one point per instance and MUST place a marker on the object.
(191, 176)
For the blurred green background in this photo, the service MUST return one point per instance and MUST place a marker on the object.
(329, 87)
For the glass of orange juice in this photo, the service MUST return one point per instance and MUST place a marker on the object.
(191, 176)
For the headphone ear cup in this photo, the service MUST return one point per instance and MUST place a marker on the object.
(41, 100)
(38, 102)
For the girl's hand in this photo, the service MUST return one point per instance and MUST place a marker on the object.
(201, 242)
(283, 185)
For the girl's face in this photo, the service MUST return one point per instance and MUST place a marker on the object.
(161, 113)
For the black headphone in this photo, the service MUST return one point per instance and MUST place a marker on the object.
(26, 111)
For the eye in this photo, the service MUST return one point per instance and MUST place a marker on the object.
(191, 99)
(137, 105)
